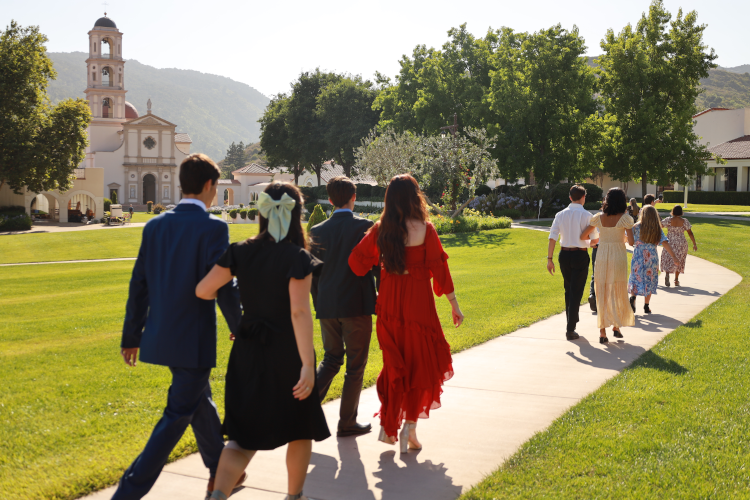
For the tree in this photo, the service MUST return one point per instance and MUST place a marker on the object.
(235, 159)
(275, 139)
(649, 81)
(542, 95)
(40, 144)
(346, 115)
(457, 164)
(433, 85)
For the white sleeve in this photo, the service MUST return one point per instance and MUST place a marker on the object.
(554, 231)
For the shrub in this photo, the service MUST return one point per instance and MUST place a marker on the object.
(252, 213)
(364, 190)
(316, 217)
(592, 205)
(507, 212)
(321, 193)
(15, 222)
(12, 210)
(114, 197)
(709, 197)
(150, 204)
(308, 193)
(377, 192)
(233, 213)
(484, 189)
(471, 221)
(159, 208)
(593, 192)
(107, 203)
(243, 213)
(242, 205)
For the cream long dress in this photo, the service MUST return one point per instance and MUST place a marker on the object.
(611, 276)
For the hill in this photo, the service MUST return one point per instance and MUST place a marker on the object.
(724, 87)
(214, 110)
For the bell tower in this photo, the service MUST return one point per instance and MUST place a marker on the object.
(105, 81)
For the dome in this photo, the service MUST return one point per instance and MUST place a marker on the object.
(105, 22)
(130, 111)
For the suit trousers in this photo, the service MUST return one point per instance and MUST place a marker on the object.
(350, 337)
(592, 291)
(574, 266)
(188, 403)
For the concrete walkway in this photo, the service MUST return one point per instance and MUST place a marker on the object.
(64, 227)
(503, 392)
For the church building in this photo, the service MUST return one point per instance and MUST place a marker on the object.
(134, 155)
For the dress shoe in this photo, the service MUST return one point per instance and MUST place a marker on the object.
(571, 335)
(647, 309)
(211, 484)
(355, 430)
(592, 303)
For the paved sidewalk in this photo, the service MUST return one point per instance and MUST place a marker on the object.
(503, 392)
(64, 227)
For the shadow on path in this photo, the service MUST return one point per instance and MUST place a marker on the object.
(616, 355)
(687, 291)
(415, 480)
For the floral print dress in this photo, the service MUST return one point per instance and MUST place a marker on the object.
(679, 246)
(644, 268)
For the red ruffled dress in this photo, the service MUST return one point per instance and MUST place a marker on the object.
(416, 357)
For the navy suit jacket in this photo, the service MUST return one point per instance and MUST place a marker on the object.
(164, 317)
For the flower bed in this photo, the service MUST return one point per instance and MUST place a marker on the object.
(469, 221)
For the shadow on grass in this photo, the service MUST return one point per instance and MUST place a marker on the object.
(620, 355)
(483, 239)
(653, 361)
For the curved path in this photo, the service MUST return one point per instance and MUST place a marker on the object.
(504, 391)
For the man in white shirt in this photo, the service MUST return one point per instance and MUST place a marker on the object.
(574, 256)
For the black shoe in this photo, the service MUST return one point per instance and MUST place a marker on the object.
(571, 335)
(603, 340)
(632, 303)
(618, 334)
(592, 302)
(355, 430)
(647, 309)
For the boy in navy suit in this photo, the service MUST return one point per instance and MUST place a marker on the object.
(174, 328)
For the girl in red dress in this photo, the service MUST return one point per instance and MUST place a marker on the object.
(416, 356)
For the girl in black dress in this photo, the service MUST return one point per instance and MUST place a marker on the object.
(271, 395)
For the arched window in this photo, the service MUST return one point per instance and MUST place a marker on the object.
(106, 48)
(107, 77)
(107, 108)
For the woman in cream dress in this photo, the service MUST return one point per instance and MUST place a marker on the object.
(611, 277)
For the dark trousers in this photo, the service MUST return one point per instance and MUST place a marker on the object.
(574, 266)
(592, 290)
(188, 403)
(350, 337)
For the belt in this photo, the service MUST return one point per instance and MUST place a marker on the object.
(573, 249)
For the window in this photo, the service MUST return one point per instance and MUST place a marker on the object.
(698, 182)
(132, 192)
(166, 192)
(149, 142)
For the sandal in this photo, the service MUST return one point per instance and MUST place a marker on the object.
(618, 334)
(666, 280)
(676, 282)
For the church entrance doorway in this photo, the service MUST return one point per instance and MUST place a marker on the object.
(228, 196)
(149, 188)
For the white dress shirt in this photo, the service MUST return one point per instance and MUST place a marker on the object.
(569, 224)
(193, 201)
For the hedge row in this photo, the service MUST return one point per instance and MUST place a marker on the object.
(709, 197)
(364, 192)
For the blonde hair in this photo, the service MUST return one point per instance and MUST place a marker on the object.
(650, 225)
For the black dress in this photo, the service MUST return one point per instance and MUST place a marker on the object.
(260, 411)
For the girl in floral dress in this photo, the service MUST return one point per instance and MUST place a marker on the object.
(676, 227)
(644, 268)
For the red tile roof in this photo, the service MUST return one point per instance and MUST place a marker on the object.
(329, 172)
(232, 182)
(709, 110)
(182, 138)
(254, 168)
(736, 149)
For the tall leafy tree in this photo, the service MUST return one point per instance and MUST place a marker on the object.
(346, 115)
(40, 144)
(276, 141)
(649, 80)
(235, 159)
(433, 85)
(542, 95)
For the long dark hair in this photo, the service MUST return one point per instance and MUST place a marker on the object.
(403, 200)
(296, 234)
(615, 202)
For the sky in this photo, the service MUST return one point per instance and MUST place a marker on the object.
(266, 45)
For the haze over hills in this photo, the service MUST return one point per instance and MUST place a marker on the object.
(214, 110)
(745, 68)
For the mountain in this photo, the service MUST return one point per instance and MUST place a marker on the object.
(724, 87)
(745, 68)
(214, 110)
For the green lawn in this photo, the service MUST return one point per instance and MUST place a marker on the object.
(693, 207)
(73, 416)
(672, 425)
(141, 216)
(89, 244)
